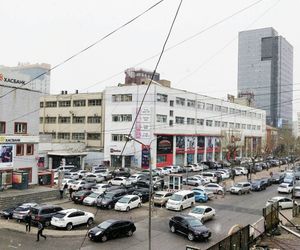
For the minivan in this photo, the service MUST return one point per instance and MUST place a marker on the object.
(44, 213)
(181, 200)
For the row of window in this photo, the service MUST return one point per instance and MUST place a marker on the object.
(67, 119)
(19, 127)
(24, 149)
(76, 103)
(208, 123)
(75, 136)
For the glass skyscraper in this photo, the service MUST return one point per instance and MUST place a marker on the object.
(265, 69)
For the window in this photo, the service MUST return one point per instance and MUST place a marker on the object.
(51, 104)
(161, 158)
(200, 122)
(29, 149)
(190, 121)
(2, 127)
(94, 119)
(224, 110)
(209, 106)
(243, 126)
(20, 149)
(122, 118)
(238, 125)
(41, 119)
(49, 119)
(171, 122)
(162, 97)
(64, 119)
(171, 113)
(217, 124)
(20, 127)
(122, 98)
(53, 134)
(118, 137)
(243, 113)
(93, 136)
(190, 103)
(78, 119)
(231, 111)
(248, 126)
(258, 127)
(238, 112)
(78, 136)
(41, 104)
(180, 101)
(231, 124)
(179, 120)
(200, 105)
(64, 103)
(259, 116)
(224, 124)
(161, 118)
(94, 102)
(253, 127)
(209, 123)
(218, 108)
(64, 136)
(79, 103)
(172, 103)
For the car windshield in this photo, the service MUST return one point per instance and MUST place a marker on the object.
(104, 225)
(283, 185)
(108, 196)
(124, 200)
(198, 210)
(93, 195)
(19, 209)
(60, 215)
(176, 197)
(80, 192)
(194, 222)
(158, 195)
(238, 185)
(76, 182)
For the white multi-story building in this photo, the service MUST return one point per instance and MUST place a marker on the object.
(19, 119)
(180, 127)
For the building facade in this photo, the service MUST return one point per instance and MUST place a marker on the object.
(19, 115)
(265, 69)
(178, 127)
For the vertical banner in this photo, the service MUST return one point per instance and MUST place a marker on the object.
(200, 142)
(180, 144)
(190, 141)
(145, 156)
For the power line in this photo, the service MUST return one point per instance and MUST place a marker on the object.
(88, 47)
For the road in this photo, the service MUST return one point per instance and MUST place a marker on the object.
(231, 210)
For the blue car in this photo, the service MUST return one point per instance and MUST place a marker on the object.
(200, 196)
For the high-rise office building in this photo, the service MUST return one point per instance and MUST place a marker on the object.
(265, 69)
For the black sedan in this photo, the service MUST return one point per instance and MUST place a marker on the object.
(79, 196)
(189, 226)
(143, 193)
(277, 178)
(7, 213)
(111, 229)
(258, 185)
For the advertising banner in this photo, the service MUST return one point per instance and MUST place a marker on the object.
(190, 141)
(180, 144)
(200, 142)
(165, 144)
(6, 155)
(145, 156)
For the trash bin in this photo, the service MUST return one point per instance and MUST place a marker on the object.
(20, 180)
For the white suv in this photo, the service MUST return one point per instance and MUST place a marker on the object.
(71, 217)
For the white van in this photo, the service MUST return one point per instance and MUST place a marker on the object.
(181, 200)
(212, 177)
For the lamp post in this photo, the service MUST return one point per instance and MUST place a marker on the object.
(130, 138)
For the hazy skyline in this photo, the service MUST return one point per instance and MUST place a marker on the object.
(51, 31)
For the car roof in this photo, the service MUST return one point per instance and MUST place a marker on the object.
(69, 210)
(162, 192)
(45, 206)
(130, 196)
(204, 207)
(278, 198)
(184, 192)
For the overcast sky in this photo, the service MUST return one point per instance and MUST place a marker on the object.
(52, 30)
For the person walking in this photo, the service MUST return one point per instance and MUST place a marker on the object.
(71, 192)
(233, 174)
(61, 191)
(28, 220)
(40, 231)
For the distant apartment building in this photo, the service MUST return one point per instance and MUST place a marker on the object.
(178, 126)
(71, 118)
(19, 119)
(265, 69)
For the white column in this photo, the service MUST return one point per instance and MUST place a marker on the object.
(185, 154)
(174, 150)
(205, 144)
(82, 162)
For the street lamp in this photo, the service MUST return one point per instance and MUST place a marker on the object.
(130, 138)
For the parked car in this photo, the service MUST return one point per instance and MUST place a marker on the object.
(71, 175)
(283, 202)
(277, 178)
(289, 179)
(97, 177)
(82, 173)
(241, 170)
(215, 188)
(143, 193)
(285, 188)
(128, 202)
(161, 197)
(267, 180)
(65, 168)
(104, 173)
(203, 213)
(77, 185)
(44, 213)
(109, 199)
(7, 213)
(136, 177)
(204, 180)
(297, 192)
(241, 188)
(79, 196)
(181, 200)
(100, 188)
(223, 174)
(71, 217)
(23, 210)
(91, 199)
(211, 164)
(209, 194)
(89, 185)
(200, 196)
(258, 185)
(111, 229)
(189, 226)
(118, 181)
(193, 181)
(212, 177)
(67, 182)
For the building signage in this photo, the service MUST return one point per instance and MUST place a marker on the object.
(19, 139)
(165, 144)
(145, 156)
(10, 80)
(6, 155)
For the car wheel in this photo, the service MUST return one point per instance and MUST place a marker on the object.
(139, 205)
(191, 236)
(240, 192)
(181, 208)
(69, 226)
(90, 221)
(219, 192)
(127, 209)
(172, 228)
(110, 206)
(47, 223)
(104, 238)
(129, 233)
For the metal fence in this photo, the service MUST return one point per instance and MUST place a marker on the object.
(257, 228)
(236, 241)
(271, 215)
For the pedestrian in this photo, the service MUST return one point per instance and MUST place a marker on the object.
(233, 174)
(28, 219)
(162, 183)
(219, 178)
(71, 192)
(40, 231)
(61, 191)
(271, 174)
(248, 175)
